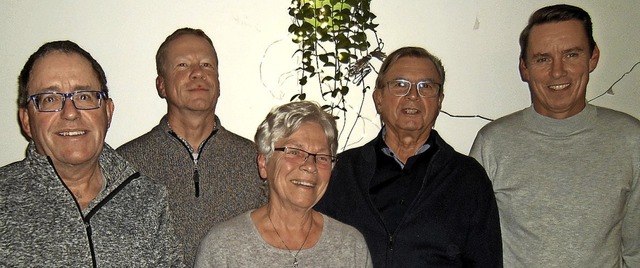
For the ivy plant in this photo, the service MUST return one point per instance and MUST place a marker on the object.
(334, 50)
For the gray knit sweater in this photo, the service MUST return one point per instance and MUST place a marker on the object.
(237, 243)
(568, 191)
(41, 224)
(228, 182)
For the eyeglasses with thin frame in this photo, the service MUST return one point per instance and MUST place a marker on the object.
(300, 156)
(401, 87)
(54, 101)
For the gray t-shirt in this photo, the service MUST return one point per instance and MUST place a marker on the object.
(237, 243)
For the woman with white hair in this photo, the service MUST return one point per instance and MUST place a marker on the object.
(297, 144)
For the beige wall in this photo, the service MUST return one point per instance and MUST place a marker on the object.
(255, 56)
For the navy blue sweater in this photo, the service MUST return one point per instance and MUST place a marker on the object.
(452, 222)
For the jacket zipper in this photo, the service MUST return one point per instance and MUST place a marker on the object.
(196, 175)
(87, 219)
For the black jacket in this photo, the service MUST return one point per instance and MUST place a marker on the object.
(453, 221)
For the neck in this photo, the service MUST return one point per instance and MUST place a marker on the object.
(85, 183)
(287, 231)
(194, 129)
(290, 222)
(405, 145)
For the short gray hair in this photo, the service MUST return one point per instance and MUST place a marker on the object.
(285, 119)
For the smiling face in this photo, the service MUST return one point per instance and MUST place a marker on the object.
(189, 79)
(291, 184)
(557, 66)
(70, 136)
(411, 113)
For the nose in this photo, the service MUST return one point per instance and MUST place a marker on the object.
(309, 166)
(69, 110)
(413, 91)
(558, 69)
(197, 72)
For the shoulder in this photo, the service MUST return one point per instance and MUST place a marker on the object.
(231, 149)
(230, 228)
(228, 233)
(617, 117)
(141, 142)
(365, 152)
(143, 190)
(227, 243)
(146, 183)
(460, 164)
(232, 138)
(336, 230)
(12, 170)
(465, 171)
(616, 125)
(14, 176)
(504, 123)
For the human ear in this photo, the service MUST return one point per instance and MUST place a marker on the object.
(262, 165)
(23, 114)
(595, 57)
(524, 74)
(161, 87)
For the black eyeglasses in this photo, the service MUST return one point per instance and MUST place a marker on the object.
(300, 156)
(54, 101)
(401, 87)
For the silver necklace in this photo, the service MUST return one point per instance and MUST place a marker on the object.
(295, 256)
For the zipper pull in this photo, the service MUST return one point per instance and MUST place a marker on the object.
(196, 182)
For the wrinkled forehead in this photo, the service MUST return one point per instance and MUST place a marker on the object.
(59, 70)
(413, 68)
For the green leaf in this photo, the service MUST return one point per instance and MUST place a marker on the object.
(327, 78)
(359, 37)
(293, 28)
(323, 58)
(310, 69)
(344, 57)
(344, 90)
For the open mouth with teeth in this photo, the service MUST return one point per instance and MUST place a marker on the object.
(72, 133)
(559, 87)
(410, 111)
(303, 183)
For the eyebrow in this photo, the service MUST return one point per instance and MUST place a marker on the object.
(419, 80)
(574, 49)
(57, 89)
(299, 146)
(546, 54)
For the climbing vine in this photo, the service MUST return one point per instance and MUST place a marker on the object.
(334, 51)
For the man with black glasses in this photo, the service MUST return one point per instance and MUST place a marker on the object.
(73, 202)
(417, 202)
(210, 172)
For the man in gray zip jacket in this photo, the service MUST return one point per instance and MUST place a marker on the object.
(74, 202)
(210, 172)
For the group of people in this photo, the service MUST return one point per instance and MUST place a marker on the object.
(553, 185)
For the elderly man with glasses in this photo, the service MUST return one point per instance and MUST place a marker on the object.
(74, 202)
(417, 202)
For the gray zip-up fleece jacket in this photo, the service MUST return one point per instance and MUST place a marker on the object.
(41, 224)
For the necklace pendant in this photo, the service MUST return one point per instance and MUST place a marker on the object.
(295, 262)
